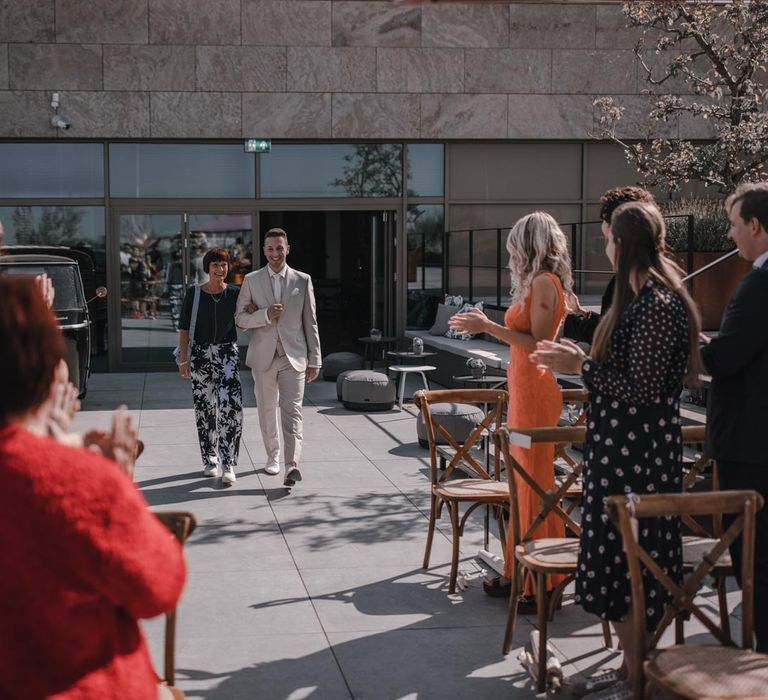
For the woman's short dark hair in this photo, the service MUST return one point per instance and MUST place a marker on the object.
(31, 349)
(215, 255)
(617, 196)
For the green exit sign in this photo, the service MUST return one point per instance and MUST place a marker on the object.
(258, 145)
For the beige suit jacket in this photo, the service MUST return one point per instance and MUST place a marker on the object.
(296, 328)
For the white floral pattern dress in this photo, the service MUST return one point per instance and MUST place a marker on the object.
(633, 445)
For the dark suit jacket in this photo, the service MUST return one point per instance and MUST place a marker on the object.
(582, 328)
(737, 359)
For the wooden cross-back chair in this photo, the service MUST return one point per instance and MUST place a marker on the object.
(693, 671)
(541, 557)
(484, 488)
(181, 525)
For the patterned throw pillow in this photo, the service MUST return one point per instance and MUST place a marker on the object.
(458, 335)
(451, 300)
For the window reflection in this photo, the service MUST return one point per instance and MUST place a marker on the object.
(424, 230)
(425, 170)
(52, 170)
(322, 170)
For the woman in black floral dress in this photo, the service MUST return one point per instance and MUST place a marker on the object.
(211, 361)
(640, 357)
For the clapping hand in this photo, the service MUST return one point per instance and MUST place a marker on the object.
(472, 321)
(120, 444)
(565, 356)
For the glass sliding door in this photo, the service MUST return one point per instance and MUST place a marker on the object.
(160, 255)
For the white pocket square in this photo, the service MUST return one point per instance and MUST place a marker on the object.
(295, 292)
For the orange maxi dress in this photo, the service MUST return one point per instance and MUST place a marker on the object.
(534, 401)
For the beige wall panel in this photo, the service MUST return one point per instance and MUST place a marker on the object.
(194, 21)
(112, 22)
(26, 114)
(470, 26)
(107, 114)
(420, 70)
(607, 167)
(375, 24)
(3, 66)
(52, 67)
(149, 67)
(241, 68)
(286, 22)
(515, 171)
(550, 116)
(463, 116)
(508, 70)
(196, 115)
(362, 116)
(27, 21)
(593, 72)
(287, 115)
(467, 216)
(552, 26)
(313, 69)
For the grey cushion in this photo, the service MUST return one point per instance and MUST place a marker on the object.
(340, 381)
(459, 419)
(444, 312)
(337, 362)
(366, 390)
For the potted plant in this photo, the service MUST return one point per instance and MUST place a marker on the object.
(476, 367)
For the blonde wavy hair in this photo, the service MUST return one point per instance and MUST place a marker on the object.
(537, 244)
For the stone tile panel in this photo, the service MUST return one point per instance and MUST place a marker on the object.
(658, 63)
(361, 116)
(691, 127)
(470, 26)
(287, 115)
(3, 66)
(196, 115)
(600, 72)
(635, 124)
(203, 22)
(149, 67)
(107, 114)
(550, 116)
(552, 26)
(463, 116)
(287, 22)
(241, 68)
(420, 70)
(55, 67)
(375, 24)
(113, 22)
(612, 30)
(331, 69)
(25, 114)
(508, 70)
(27, 21)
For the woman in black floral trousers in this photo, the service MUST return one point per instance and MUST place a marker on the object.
(211, 361)
(644, 348)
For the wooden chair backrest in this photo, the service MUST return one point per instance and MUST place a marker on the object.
(495, 400)
(623, 512)
(181, 525)
(696, 434)
(550, 502)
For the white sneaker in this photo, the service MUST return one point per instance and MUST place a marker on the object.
(228, 477)
(273, 467)
(211, 470)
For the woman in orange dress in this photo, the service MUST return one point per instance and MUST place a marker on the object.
(540, 271)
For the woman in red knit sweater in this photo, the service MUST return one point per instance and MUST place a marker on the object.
(81, 556)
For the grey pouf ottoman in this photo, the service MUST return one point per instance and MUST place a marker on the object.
(335, 363)
(366, 390)
(340, 381)
(459, 419)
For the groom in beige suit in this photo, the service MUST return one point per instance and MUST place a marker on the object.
(277, 304)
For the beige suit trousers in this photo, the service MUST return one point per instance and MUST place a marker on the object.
(281, 387)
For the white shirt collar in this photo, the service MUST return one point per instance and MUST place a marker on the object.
(282, 272)
(760, 260)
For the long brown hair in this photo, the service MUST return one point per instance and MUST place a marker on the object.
(639, 234)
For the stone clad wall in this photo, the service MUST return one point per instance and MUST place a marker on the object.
(312, 69)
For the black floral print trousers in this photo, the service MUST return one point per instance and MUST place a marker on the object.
(218, 398)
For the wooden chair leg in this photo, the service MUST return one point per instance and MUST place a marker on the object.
(679, 630)
(725, 621)
(607, 640)
(453, 510)
(430, 531)
(515, 588)
(541, 609)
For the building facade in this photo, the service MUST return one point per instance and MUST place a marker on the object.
(389, 125)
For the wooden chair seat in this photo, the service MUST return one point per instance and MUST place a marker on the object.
(555, 555)
(694, 548)
(480, 490)
(709, 672)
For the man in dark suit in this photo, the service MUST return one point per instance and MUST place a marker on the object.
(737, 359)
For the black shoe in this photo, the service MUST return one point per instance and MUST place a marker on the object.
(292, 476)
